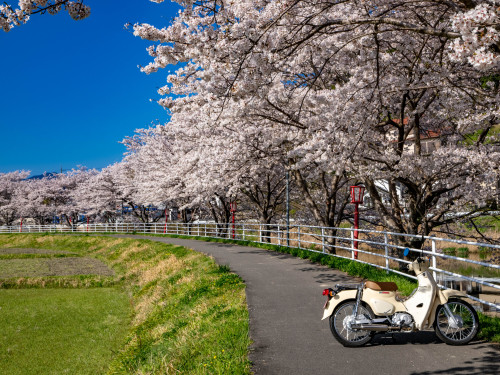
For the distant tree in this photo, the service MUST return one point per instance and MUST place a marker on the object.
(53, 195)
(10, 185)
(101, 196)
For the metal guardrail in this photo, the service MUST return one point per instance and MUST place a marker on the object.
(376, 248)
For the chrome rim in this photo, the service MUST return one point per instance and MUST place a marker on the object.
(343, 320)
(458, 327)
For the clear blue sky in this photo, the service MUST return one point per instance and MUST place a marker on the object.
(71, 90)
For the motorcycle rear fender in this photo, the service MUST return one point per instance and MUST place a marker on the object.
(338, 298)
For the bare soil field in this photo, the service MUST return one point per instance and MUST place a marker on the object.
(40, 267)
(31, 251)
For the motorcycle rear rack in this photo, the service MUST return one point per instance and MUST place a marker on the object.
(341, 287)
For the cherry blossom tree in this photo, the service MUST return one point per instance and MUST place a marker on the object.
(10, 184)
(32, 203)
(351, 88)
(10, 16)
(101, 196)
(54, 195)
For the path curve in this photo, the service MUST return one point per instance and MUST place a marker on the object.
(285, 307)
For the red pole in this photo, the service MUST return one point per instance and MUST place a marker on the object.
(166, 218)
(21, 229)
(356, 227)
(233, 223)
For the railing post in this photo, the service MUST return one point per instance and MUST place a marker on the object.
(298, 235)
(279, 236)
(386, 248)
(433, 243)
(352, 244)
(323, 239)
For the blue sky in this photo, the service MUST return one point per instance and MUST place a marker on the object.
(71, 90)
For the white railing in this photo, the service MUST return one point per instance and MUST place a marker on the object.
(376, 248)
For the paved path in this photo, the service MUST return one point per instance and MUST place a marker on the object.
(285, 306)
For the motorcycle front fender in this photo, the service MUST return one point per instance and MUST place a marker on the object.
(336, 300)
(445, 295)
(442, 297)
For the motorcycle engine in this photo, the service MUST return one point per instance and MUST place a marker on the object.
(402, 319)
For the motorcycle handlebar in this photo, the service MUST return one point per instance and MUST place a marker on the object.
(419, 260)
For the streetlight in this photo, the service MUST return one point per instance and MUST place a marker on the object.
(287, 208)
(232, 207)
(357, 193)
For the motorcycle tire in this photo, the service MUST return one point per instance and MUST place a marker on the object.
(340, 320)
(463, 329)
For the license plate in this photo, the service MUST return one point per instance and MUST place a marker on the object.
(326, 304)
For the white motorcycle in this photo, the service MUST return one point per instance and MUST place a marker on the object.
(359, 311)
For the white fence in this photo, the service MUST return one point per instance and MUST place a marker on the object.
(376, 248)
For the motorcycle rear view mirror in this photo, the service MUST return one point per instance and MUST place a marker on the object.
(406, 252)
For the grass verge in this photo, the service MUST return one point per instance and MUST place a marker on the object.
(189, 314)
(352, 268)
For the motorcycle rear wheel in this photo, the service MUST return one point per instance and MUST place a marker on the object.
(340, 324)
(463, 329)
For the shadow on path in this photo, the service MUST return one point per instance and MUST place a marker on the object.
(484, 362)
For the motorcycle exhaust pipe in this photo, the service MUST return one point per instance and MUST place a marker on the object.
(371, 327)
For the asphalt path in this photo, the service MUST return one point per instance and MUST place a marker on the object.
(284, 296)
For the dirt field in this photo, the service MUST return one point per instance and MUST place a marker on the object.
(31, 251)
(39, 267)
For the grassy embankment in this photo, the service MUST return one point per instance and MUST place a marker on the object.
(176, 310)
(490, 326)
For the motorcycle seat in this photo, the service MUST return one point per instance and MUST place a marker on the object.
(382, 286)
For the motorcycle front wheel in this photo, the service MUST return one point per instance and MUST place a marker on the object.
(459, 328)
(341, 320)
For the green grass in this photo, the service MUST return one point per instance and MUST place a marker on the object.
(463, 252)
(475, 271)
(484, 252)
(61, 331)
(490, 328)
(189, 314)
(450, 251)
(471, 139)
(486, 223)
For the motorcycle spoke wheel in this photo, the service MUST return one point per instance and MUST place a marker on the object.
(341, 320)
(461, 327)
